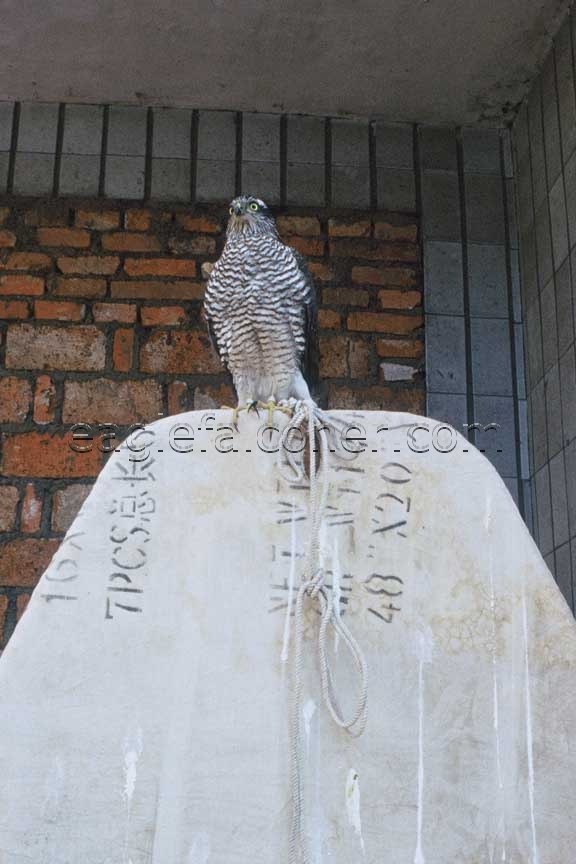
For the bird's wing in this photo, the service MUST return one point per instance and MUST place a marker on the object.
(311, 355)
(221, 349)
(222, 353)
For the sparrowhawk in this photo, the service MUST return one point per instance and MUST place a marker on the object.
(261, 310)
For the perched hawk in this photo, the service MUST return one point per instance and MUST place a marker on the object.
(261, 310)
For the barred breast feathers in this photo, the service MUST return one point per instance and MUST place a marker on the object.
(260, 309)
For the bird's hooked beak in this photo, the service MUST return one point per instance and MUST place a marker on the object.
(238, 210)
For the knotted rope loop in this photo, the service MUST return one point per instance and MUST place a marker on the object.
(312, 588)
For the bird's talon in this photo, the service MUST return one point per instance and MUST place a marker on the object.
(234, 420)
(251, 405)
(272, 406)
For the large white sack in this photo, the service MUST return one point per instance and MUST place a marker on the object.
(145, 695)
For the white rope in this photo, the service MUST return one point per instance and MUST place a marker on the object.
(312, 589)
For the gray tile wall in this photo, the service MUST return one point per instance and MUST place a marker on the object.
(474, 338)
(187, 156)
(35, 149)
(544, 137)
(81, 150)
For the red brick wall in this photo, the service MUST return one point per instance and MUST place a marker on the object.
(100, 321)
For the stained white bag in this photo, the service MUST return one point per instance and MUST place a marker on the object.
(145, 696)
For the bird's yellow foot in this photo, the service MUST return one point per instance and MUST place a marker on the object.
(272, 406)
(251, 405)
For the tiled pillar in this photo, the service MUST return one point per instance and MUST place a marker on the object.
(474, 362)
(545, 157)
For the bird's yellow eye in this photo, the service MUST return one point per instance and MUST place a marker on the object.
(231, 210)
(253, 205)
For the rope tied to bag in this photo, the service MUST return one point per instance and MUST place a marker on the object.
(313, 589)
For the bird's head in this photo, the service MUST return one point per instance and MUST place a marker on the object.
(249, 215)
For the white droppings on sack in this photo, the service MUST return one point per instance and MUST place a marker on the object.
(200, 849)
(353, 804)
(308, 712)
(133, 745)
